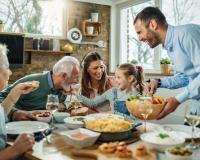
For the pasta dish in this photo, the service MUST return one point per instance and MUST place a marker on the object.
(108, 124)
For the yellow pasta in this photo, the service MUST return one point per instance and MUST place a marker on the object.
(108, 124)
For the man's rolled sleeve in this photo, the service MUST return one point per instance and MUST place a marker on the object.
(182, 97)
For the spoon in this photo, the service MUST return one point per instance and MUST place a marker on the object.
(100, 44)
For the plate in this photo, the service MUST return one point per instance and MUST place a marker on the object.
(103, 115)
(74, 35)
(20, 127)
(186, 130)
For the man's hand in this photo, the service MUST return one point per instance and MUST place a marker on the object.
(22, 116)
(170, 105)
(151, 87)
(23, 143)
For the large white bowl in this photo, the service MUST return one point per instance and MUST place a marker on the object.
(60, 116)
(161, 144)
(73, 122)
(80, 142)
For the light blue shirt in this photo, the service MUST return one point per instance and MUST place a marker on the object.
(183, 46)
(2, 128)
(106, 96)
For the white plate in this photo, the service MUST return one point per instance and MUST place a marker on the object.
(103, 115)
(186, 130)
(25, 127)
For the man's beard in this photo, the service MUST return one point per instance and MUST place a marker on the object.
(66, 88)
(154, 39)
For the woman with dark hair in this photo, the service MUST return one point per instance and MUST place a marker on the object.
(95, 80)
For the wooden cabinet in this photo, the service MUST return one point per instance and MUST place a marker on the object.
(96, 25)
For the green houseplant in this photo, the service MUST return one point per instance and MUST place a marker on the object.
(94, 14)
(165, 66)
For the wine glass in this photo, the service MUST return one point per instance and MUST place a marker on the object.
(76, 88)
(193, 120)
(52, 105)
(145, 109)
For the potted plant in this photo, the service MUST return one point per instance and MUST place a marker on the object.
(94, 14)
(1, 26)
(134, 61)
(165, 66)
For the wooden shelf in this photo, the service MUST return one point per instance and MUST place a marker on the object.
(45, 51)
(96, 25)
(33, 51)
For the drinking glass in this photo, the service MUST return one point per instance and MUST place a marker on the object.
(145, 109)
(193, 120)
(52, 105)
(76, 91)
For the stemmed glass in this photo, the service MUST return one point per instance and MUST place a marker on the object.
(193, 120)
(145, 109)
(52, 105)
(76, 91)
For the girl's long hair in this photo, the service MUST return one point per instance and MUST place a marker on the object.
(137, 72)
(86, 79)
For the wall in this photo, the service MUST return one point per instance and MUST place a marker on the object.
(78, 11)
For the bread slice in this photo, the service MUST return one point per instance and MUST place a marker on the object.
(79, 111)
(34, 84)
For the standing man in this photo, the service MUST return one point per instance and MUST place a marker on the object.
(183, 46)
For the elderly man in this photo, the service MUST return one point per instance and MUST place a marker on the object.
(183, 47)
(65, 73)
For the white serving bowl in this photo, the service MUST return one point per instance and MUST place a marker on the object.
(172, 156)
(60, 116)
(38, 114)
(153, 141)
(74, 122)
(80, 142)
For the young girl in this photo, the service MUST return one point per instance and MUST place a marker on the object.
(130, 82)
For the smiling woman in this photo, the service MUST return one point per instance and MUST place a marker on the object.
(95, 80)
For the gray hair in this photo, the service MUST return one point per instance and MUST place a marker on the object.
(65, 65)
(3, 56)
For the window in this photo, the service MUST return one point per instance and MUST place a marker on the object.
(45, 17)
(131, 49)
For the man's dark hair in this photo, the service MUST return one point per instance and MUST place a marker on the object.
(150, 13)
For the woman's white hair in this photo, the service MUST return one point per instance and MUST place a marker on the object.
(66, 65)
(3, 56)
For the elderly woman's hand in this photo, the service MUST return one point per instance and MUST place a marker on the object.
(20, 89)
(23, 143)
(23, 116)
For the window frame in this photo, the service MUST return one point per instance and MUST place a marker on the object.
(115, 49)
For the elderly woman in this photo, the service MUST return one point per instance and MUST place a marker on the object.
(95, 80)
(25, 141)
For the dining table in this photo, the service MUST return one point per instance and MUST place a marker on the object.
(59, 149)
